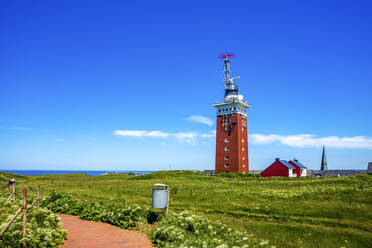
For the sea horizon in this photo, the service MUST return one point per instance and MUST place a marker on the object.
(59, 172)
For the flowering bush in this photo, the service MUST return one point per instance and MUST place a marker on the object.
(117, 215)
(44, 228)
(188, 230)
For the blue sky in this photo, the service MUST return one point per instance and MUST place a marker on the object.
(128, 85)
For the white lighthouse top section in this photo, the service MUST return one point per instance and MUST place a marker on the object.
(234, 98)
(236, 107)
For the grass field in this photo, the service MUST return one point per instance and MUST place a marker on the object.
(290, 212)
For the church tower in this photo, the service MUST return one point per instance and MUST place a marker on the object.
(231, 128)
(324, 165)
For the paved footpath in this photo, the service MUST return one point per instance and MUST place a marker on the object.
(84, 234)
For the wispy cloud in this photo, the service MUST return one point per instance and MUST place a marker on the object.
(20, 128)
(299, 140)
(141, 133)
(200, 119)
(310, 140)
(59, 140)
(210, 134)
(183, 137)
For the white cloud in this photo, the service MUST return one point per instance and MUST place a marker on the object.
(20, 128)
(310, 140)
(183, 137)
(200, 119)
(299, 140)
(187, 137)
(140, 133)
(210, 134)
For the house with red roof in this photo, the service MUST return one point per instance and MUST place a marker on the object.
(301, 170)
(280, 168)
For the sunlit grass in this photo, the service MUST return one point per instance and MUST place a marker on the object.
(290, 212)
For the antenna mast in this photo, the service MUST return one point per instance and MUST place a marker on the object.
(230, 87)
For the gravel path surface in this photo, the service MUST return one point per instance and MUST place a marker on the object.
(84, 234)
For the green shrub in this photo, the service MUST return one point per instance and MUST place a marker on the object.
(44, 228)
(188, 230)
(117, 215)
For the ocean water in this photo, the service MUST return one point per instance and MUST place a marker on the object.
(54, 172)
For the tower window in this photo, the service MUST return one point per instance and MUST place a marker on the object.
(227, 140)
(243, 149)
(226, 165)
(242, 140)
(227, 148)
(243, 165)
(227, 128)
(242, 128)
(226, 157)
(243, 158)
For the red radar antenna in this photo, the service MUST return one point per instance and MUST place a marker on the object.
(226, 55)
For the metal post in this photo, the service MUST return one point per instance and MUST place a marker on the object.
(38, 197)
(13, 191)
(166, 209)
(227, 68)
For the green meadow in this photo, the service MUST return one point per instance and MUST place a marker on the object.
(289, 212)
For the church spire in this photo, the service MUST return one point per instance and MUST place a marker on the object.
(324, 165)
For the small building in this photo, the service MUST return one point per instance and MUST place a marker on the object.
(209, 172)
(257, 172)
(369, 168)
(338, 173)
(301, 170)
(280, 168)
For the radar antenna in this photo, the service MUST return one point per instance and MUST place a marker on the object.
(230, 87)
(227, 70)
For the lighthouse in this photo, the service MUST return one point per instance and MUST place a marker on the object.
(231, 127)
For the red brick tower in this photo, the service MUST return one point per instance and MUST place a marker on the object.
(231, 130)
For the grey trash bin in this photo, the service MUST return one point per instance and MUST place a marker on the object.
(160, 196)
